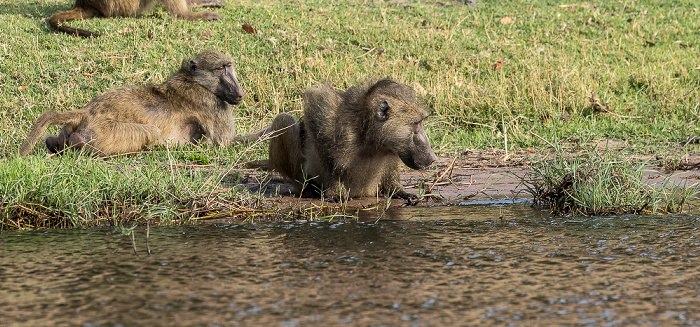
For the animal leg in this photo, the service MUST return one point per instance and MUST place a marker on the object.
(285, 148)
(180, 10)
(205, 3)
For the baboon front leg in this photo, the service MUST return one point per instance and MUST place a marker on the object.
(285, 148)
(391, 185)
(335, 191)
(180, 10)
(205, 3)
(402, 194)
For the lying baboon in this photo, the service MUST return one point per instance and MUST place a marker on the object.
(352, 143)
(85, 9)
(190, 106)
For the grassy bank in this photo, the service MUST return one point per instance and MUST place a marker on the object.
(495, 75)
(74, 190)
(599, 182)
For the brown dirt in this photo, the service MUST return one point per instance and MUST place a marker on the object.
(469, 175)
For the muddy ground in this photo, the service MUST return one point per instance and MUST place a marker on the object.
(469, 175)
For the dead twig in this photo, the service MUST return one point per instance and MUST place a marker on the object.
(541, 138)
(366, 53)
(449, 168)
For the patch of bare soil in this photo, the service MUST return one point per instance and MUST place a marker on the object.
(472, 174)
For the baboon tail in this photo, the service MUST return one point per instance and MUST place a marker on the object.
(57, 21)
(46, 119)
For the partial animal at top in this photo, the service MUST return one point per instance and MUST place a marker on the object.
(85, 9)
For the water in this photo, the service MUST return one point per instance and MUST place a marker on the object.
(442, 266)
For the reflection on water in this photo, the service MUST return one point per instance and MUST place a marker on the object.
(441, 266)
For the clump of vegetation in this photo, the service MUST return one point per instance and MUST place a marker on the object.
(602, 183)
(73, 190)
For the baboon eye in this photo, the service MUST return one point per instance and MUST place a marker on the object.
(417, 125)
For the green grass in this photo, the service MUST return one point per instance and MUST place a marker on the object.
(74, 190)
(639, 57)
(598, 182)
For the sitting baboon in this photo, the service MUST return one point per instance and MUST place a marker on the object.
(85, 9)
(352, 143)
(190, 106)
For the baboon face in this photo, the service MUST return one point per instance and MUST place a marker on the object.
(401, 124)
(420, 154)
(214, 71)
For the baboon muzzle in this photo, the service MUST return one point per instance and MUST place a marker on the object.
(422, 154)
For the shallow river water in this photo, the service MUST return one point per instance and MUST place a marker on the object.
(442, 266)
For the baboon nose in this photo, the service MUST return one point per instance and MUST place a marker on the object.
(236, 99)
(431, 158)
(426, 159)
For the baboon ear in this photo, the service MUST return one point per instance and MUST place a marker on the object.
(192, 67)
(383, 110)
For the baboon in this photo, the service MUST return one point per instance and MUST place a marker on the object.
(190, 106)
(85, 9)
(352, 143)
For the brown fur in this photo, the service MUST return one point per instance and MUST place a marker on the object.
(352, 143)
(192, 105)
(85, 9)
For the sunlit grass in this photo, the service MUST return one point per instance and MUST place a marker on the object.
(75, 190)
(598, 182)
(489, 81)
(637, 57)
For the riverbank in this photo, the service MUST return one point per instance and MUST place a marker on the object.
(470, 175)
(520, 77)
(74, 190)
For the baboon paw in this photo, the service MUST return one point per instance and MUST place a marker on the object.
(210, 16)
(410, 198)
